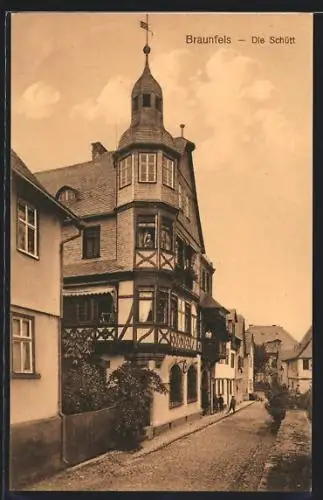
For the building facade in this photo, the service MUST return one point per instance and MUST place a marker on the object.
(137, 279)
(36, 283)
(297, 366)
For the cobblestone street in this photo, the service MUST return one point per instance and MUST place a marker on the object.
(226, 456)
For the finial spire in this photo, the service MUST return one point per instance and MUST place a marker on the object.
(145, 26)
(182, 129)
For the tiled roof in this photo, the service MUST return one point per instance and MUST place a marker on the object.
(21, 169)
(88, 268)
(208, 302)
(95, 182)
(266, 333)
(303, 349)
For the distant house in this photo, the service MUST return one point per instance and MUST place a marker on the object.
(298, 365)
(276, 341)
(36, 279)
(245, 362)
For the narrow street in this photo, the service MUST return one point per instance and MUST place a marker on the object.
(227, 456)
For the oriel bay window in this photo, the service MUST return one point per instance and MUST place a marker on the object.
(146, 231)
(147, 167)
(146, 299)
(174, 312)
(162, 307)
(166, 234)
(125, 172)
(27, 234)
(168, 172)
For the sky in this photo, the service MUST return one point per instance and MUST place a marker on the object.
(247, 107)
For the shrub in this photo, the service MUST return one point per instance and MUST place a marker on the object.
(84, 386)
(131, 388)
(278, 401)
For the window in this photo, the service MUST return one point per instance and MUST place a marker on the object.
(146, 306)
(125, 172)
(27, 234)
(227, 357)
(88, 310)
(147, 167)
(146, 231)
(22, 345)
(162, 307)
(181, 315)
(174, 312)
(306, 364)
(180, 259)
(91, 242)
(168, 172)
(135, 103)
(146, 100)
(175, 387)
(158, 103)
(166, 234)
(180, 197)
(232, 360)
(191, 384)
(203, 280)
(67, 195)
(188, 321)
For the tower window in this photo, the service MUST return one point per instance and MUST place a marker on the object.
(91, 242)
(147, 167)
(146, 231)
(166, 235)
(146, 100)
(135, 103)
(158, 103)
(168, 172)
(125, 172)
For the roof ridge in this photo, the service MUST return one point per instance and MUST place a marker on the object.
(73, 165)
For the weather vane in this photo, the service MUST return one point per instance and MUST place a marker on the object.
(145, 26)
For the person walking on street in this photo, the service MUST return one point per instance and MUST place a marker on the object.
(232, 405)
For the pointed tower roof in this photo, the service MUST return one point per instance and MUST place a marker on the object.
(146, 82)
(147, 124)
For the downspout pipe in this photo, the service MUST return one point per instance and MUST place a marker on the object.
(80, 228)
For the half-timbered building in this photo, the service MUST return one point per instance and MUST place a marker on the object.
(139, 279)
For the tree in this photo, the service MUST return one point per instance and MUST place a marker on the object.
(131, 388)
(260, 359)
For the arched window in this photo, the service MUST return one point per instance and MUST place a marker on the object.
(191, 384)
(175, 389)
(66, 194)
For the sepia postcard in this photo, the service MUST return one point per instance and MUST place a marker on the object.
(161, 251)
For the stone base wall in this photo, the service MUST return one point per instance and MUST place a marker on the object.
(156, 431)
(35, 451)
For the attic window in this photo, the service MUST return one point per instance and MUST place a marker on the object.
(146, 100)
(67, 195)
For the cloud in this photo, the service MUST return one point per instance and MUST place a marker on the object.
(112, 104)
(38, 101)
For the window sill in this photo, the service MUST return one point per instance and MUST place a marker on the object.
(146, 248)
(175, 405)
(33, 376)
(91, 258)
(32, 256)
(168, 186)
(125, 185)
(190, 401)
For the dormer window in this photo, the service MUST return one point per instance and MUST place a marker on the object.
(67, 195)
(135, 101)
(158, 103)
(146, 100)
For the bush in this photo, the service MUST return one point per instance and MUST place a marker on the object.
(278, 401)
(131, 388)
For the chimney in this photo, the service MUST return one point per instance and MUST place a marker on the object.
(97, 150)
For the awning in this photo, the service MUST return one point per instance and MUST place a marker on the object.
(94, 290)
